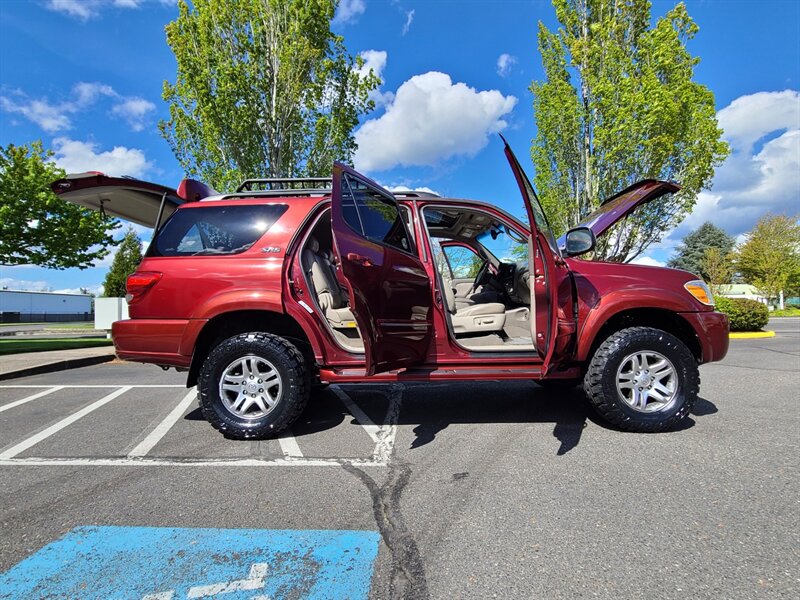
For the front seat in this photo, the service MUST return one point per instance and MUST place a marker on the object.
(330, 296)
(484, 317)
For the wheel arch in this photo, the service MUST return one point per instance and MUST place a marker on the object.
(231, 323)
(657, 318)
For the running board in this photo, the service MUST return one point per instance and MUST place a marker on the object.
(349, 375)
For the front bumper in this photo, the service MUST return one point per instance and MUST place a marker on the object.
(712, 331)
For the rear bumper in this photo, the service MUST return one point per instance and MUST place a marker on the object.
(712, 333)
(159, 341)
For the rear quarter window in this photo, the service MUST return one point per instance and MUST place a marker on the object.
(214, 230)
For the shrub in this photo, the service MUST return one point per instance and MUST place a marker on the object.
(744, 314)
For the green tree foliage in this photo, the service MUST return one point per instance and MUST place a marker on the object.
(691, 252)
(770, 257)
(717, 267)
(125, 262)
(618, 104)
(263, 89)
(38, 228)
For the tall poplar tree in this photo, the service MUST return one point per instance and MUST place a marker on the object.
(263, 89)
(618, 104)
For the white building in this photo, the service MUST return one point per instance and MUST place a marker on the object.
(742, 290)
(43, 306)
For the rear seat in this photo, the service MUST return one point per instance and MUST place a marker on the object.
(332, 299)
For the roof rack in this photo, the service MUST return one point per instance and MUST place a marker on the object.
(315, 184)
(413, 194)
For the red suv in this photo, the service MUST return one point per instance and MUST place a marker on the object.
(263, 293)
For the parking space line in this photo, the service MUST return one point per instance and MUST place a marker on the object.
(123, 461)
(56, 427)
(29, 398)
(100, 385)
(162, 428)
(359, 415)
(289, 445)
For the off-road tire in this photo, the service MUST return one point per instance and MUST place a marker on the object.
(601, 387)
(289, 363)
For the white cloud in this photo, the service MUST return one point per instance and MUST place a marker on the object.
(49, 117)
(375, 61)
(430, 119)
(88, 9)
(405, 188)
(647, 261)
(349, 11)
(56, 116)
(409, 20)
(24, 284)
(77, 157)
(94, 289)
(135, 111)
(759, 176)
(504, 64)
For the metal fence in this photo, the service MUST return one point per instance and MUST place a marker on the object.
(19, 317)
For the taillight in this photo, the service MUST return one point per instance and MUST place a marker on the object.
(139, 283)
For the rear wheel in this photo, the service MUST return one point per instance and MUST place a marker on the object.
(642, 379)
(253, 385)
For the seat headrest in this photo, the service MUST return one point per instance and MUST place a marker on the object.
(313, 244)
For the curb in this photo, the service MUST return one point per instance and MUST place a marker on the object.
(62, 365)
(751, 335)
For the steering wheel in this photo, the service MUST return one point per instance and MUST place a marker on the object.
(482, 278)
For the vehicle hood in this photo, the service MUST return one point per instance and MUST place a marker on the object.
(624, 203)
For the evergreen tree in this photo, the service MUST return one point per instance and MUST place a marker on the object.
(691, 253)
(125, 262)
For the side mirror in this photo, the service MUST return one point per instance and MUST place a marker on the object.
(579, 241)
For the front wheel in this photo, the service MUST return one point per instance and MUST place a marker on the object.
(253, 385)
(642, 379)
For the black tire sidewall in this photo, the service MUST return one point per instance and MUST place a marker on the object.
(283, 356)
(624, 343)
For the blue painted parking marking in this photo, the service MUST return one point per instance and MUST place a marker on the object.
(162, 563)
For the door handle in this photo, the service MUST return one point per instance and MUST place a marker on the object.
(364, 261)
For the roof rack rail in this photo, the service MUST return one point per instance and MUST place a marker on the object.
(285, 183)
(414, 194)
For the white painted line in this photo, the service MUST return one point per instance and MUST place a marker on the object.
(123, 461)
(255, 581)
(388, 431)
(161, 430)
(100, 385)
(289, 445)
(29, 398)
(56, 427)
(358, 414)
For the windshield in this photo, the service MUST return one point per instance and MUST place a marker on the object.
(504, 245)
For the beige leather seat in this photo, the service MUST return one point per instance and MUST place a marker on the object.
(482, 317)
(332, 299)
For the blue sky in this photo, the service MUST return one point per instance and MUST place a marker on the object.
(85, 77)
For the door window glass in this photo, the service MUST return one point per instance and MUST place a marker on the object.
(374, 215)
(464, 262)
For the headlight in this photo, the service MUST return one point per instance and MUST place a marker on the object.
(700, 290)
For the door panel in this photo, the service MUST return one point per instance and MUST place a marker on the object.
(390, 292)
(542, 256)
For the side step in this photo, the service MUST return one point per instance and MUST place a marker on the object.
(350, 375)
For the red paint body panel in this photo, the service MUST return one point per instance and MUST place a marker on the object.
(712, 331)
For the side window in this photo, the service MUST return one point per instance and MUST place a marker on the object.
(464, 262)
(374, 215)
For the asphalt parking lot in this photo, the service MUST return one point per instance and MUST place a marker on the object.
(418, 491)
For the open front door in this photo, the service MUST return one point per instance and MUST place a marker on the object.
(390, 292)
(542, 255)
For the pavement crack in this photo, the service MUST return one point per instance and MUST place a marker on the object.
(408, 580)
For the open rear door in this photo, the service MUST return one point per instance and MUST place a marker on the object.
(126, 198)
(542, 255)
(390, 292)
